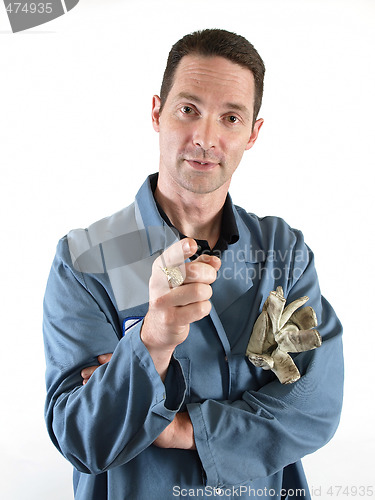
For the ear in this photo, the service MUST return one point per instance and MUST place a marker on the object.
(254, 133)
(155, 113)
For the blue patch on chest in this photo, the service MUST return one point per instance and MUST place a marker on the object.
(129, 323)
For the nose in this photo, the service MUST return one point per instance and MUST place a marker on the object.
(205, 134)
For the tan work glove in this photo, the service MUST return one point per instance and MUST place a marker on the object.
(278, 331)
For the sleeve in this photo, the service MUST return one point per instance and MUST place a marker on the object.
(277, 425)
(125, 405)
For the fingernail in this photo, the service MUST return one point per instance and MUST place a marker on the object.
(186, 246)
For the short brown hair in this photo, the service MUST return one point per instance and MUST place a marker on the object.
(216, 42)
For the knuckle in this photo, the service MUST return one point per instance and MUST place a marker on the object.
(199, 271)
(167, 316)
(203, 291)
(212, 275)
(158, 302)
(205, 308)
(155, 303)
(194, 271)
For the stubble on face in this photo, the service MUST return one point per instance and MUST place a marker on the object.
(201, 182)
(216, 82)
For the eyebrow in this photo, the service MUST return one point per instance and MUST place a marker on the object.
(188, 97)
(238, 107)
(228, 105)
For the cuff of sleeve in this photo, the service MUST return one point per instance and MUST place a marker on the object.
(175, 386)
(203, 445)
(169, 396)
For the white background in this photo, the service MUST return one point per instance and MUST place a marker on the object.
(76, 142)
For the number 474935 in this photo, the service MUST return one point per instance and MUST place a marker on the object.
(350, 491)
(29, 8)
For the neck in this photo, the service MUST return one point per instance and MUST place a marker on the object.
(194, 214)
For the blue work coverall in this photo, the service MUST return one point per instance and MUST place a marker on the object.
(250, 430)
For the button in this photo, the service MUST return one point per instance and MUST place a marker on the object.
(219, 492)
(226, 359)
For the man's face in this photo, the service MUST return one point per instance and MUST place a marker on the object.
(206, 123)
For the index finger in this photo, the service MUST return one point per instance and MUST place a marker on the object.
(212, 260)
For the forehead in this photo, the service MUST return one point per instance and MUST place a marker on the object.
(213, 75)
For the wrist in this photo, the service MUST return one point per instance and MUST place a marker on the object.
(183, 432)
(160, 354)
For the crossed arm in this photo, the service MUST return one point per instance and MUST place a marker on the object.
(300, 418)
(178, 434)
(167, 324)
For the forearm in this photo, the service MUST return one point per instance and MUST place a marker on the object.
(269, 425)
(178, 434)
(275, 425)
(117, 414)
(125, 405)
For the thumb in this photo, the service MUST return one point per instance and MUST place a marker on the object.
(176, 254)
(189, 247)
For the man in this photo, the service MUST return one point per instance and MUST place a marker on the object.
(172, 286)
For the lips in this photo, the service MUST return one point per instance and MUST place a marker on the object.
(201, 165)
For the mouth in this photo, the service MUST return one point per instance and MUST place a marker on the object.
(202, 165)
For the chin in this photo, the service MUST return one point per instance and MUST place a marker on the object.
(201, 186)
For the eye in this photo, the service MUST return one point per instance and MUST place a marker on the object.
(187, 110)
(232, 119)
